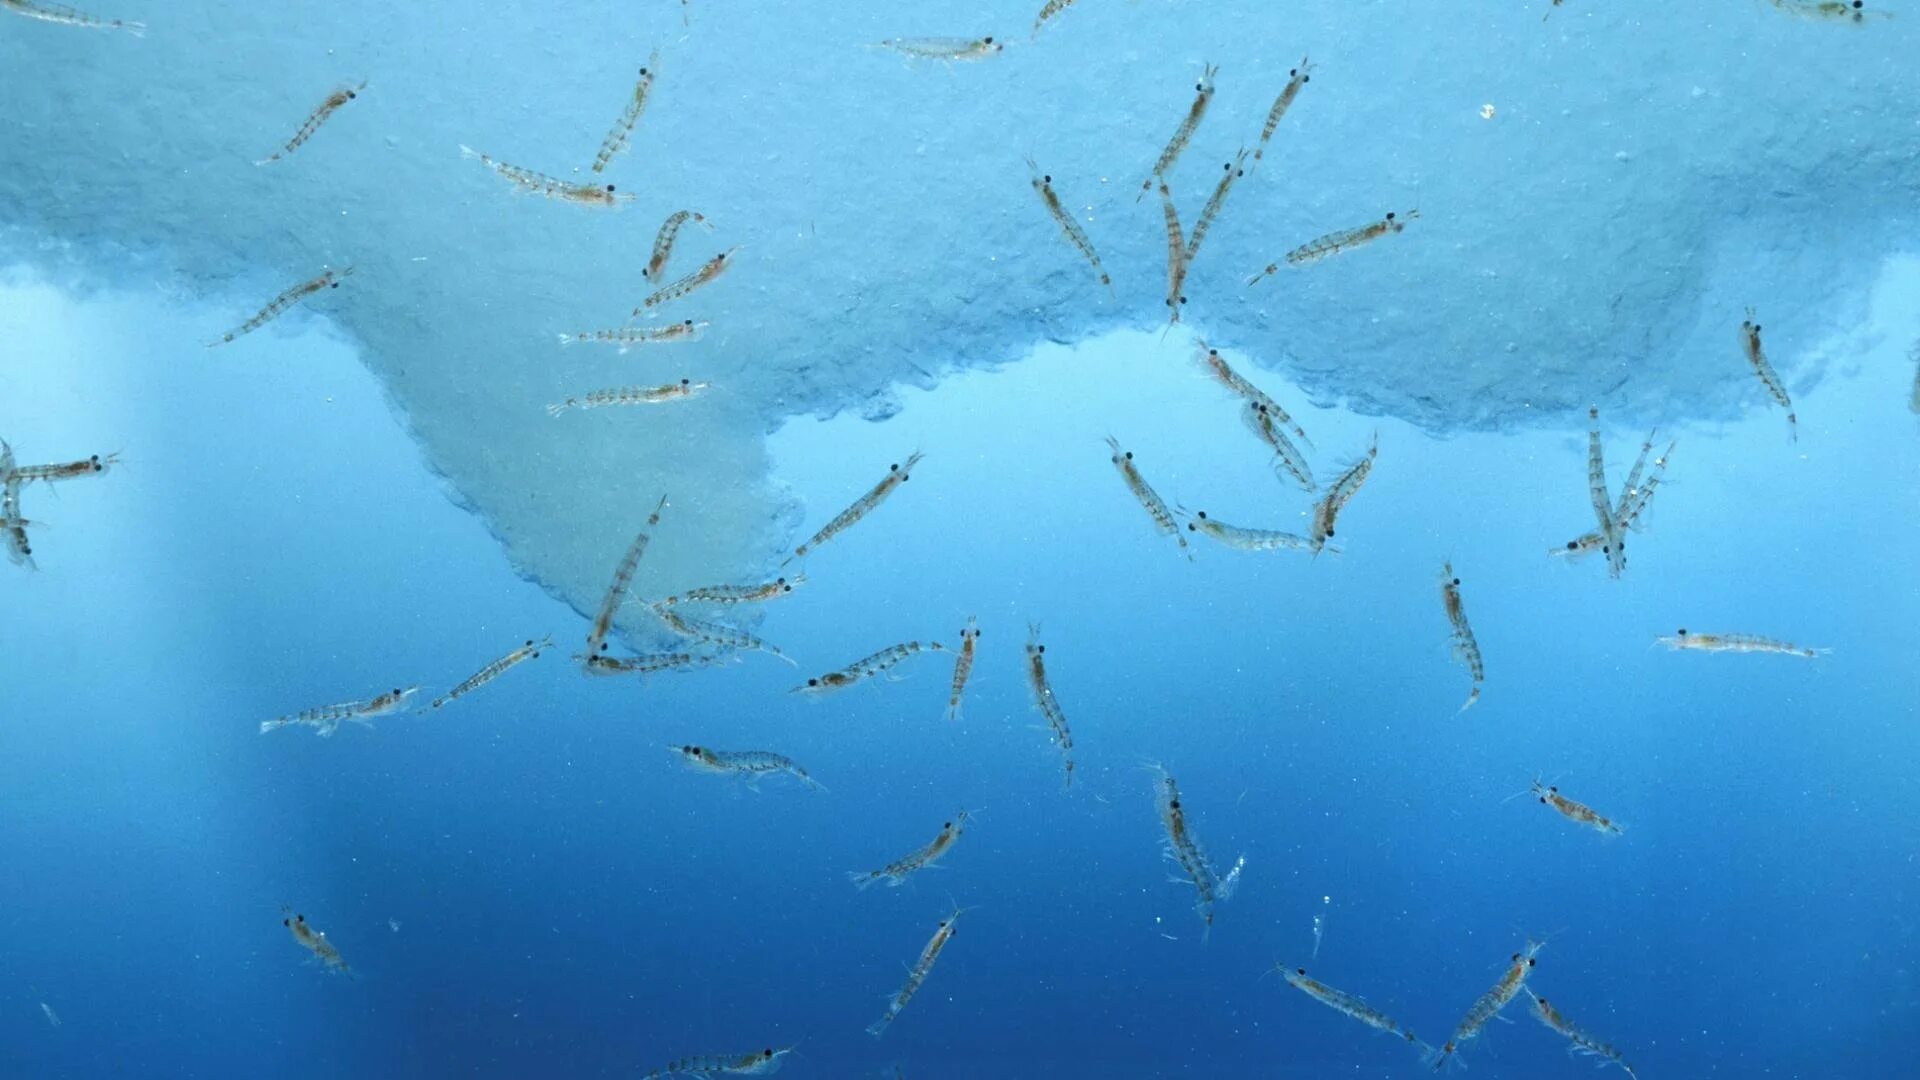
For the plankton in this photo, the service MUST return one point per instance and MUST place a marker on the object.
(1348, 1005)
(1737, 643)
(917, 974)
(963, 665)
(1488, 1005)
(898, 473)
(1149, 499)
(320, 115)
(897, 871)
(328, 279)
(867, 667)
(66, 16)
(1577, 812)
(748, 764)
(1579, 1042)
(1465, 648)
(314, 941)
(1182, 135)
(529, 651)
(622, 133)
(757, 1063)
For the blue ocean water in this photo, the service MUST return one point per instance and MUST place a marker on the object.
(527, 883)
(569, 901)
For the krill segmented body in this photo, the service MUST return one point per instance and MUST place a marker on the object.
(897, 871)
(963, 665)
(1466, 648)
(1342, 491)
(897, 474)
(751, 764)
(1738, 643)
(551, 187)
(867, 667)
(320, 115)
(1045, 701)
(622, 133)
(917, 974)
(329, 279)
(529, 651)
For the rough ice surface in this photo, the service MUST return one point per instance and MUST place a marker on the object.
(1648, 170)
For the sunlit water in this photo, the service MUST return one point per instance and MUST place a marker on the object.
(367, 494)
(571, 901)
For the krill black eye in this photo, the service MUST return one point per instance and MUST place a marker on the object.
(1043, 648)
(1174, 805)
(1683, 631)
(396, 691)
(1203, 515)
(1456, 581)
(1048, 179)
(1529, 961)
(1307, 79)
(893, 468)
(1299, 971)
(946, 824)
(351, 96)
(813, 682)
(286, 922)
(610, 189)
(686, 382)
(1329, 533)
(1129, 455)
(990, 40)
(1191, 527)
(1573, 545)
(689, 322)
(1516, 956)
(1389, 215)
(335, 285)
(1291, 72)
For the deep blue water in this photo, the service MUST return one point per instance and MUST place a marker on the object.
(367, 495)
